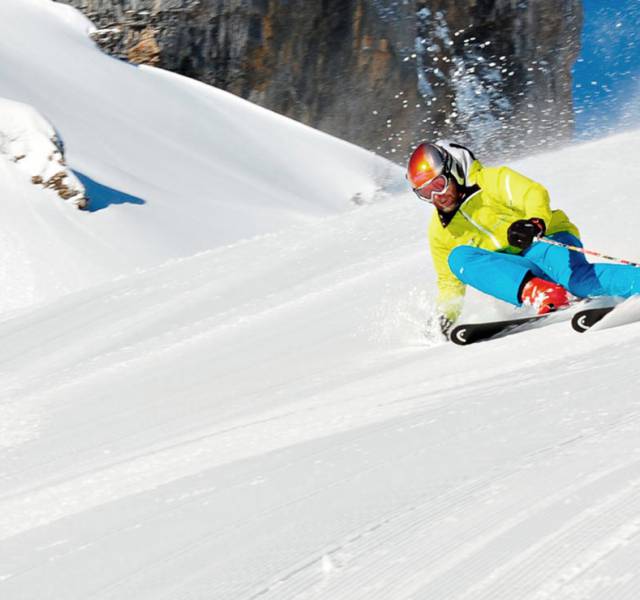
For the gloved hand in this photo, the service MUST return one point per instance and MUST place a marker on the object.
(522, 233)
(445, 325)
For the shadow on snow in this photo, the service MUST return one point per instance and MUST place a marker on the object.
(101, 196)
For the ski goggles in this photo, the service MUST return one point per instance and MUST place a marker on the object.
(435, 187)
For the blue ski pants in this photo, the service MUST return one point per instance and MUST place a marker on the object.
(501, 275)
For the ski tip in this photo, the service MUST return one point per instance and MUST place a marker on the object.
(459, 335)
(580, 322)
(585, 319)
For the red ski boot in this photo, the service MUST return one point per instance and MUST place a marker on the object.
(545, 296)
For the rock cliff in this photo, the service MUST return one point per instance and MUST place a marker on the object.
(380, 73)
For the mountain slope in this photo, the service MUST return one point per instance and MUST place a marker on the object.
(271, 418)
(280, 428)
(187, 167)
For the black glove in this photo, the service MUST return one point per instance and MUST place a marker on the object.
(445, 325)
(522, 233)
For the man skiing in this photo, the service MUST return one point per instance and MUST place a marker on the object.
(483, 233)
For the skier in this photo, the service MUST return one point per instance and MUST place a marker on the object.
(483, 234)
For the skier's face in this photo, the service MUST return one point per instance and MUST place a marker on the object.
(448, 200)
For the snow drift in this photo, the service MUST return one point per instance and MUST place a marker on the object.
(208, 168)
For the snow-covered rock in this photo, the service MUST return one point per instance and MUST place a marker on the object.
(32, 144)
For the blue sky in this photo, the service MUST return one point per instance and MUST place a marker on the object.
(606, 86)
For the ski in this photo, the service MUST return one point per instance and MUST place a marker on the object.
(585, 319)
(583, 313)
(469, 333)
(613, 314)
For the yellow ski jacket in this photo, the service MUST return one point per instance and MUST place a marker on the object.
(504, 196)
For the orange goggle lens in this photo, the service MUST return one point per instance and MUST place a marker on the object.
(439, 185)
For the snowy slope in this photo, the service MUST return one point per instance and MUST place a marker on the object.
(284, 430)
(267, 419)
(173, 166)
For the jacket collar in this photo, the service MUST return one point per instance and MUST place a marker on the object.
(467, 192)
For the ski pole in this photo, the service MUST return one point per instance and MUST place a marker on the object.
(622, 261)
